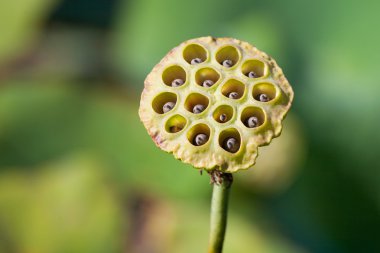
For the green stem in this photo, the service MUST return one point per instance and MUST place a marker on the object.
(219, 205)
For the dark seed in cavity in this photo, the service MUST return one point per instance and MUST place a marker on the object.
(231, 145)
(207, 83)
(227, 63)
(263, 97)
(223, 117)
(252, 122)
(252, 74)
(198, 108)
(200, 139)
(177, 82)
(233, 95)
(168, 106)
(196, 61)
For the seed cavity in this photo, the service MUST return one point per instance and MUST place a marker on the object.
(223, 113)
(195, 54)
(233, 95)
(177, 82)
(195, 61)
(252, 117)
(175, 124)
(264, 92)
(199, 134)
(198, 108)
(233, 89)
(230, 140)
(263, 97)
(200, 139)
(227, 63)
(227, 56)
(207, 83)
(164, 102)
(223, 118)
(206, 77)
(252, 74)
(168, 106)
(196, 103)
(254, 68)
(252, 122)
(174, 76)
(231, 145)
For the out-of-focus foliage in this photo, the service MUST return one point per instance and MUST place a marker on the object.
(270, 175)
(65, 207)
(45, 122)
(19, 24)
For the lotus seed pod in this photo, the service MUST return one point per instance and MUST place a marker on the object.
(198, 121)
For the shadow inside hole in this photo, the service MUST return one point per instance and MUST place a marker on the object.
(223, 113)
(196, 99)
(194, 51)
(161, 99)
(175, 124)
(231, 86)
(225, 138)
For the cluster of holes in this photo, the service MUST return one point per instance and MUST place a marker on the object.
(227, 56)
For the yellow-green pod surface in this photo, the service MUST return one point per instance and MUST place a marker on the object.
(225, 78)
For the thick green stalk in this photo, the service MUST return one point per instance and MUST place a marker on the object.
(219, 206)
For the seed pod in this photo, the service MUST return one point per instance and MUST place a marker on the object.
(233, 101)
(168, 106)
(177, 82)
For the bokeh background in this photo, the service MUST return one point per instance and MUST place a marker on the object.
(78, 172)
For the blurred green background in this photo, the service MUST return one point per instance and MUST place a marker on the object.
(79, 173)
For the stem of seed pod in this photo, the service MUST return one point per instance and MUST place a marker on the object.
(219, 206)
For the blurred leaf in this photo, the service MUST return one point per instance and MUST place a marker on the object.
(147, 30)
(20, 22)
(64, 207)
(241, 236)
(270, 176)
(39, 123)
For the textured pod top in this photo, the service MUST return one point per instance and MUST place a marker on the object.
(213, 101)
